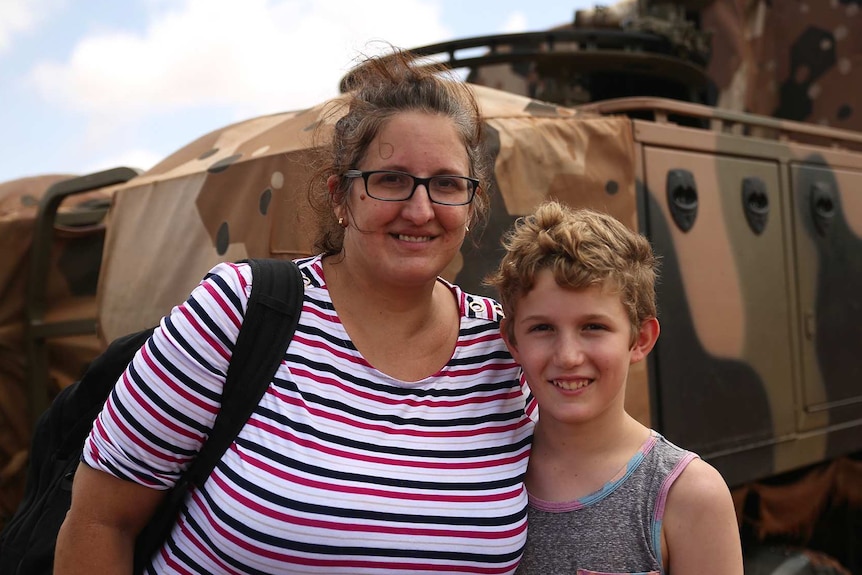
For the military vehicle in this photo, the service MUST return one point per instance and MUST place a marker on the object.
(644, 110)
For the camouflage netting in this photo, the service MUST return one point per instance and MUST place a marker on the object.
(242, 191)
(70, 291)
(792, 508)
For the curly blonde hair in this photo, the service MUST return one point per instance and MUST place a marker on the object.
(583, 248)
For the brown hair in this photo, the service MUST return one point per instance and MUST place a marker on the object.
(583, 248)
(378, 89)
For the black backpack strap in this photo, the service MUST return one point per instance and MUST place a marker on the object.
(270, 320)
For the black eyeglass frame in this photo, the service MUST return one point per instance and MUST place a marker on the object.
(417, 181)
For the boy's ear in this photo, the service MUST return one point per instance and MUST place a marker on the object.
(504, 332)
(646, 338)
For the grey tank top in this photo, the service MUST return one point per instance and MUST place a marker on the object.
(617, 529)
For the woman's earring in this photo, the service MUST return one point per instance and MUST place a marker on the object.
(467, 227)
(341, 222)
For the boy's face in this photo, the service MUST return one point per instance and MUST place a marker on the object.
(575, 348)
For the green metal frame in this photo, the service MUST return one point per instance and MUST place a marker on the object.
(38, 331)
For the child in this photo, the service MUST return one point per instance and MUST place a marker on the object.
(607, 494)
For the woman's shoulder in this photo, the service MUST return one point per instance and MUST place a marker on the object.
(229, 279)
(474, 306)
(311, 268)
(233, 280)
(238, 278)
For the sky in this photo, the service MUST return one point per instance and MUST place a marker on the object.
(87, 85)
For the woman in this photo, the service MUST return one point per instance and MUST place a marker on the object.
(393, 438)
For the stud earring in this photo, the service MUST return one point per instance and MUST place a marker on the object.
(467, 227)
(341, 222)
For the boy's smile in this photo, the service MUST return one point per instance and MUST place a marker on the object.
(571, 385)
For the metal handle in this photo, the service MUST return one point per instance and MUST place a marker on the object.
(755, 203)
(682, 198)
(824, 206)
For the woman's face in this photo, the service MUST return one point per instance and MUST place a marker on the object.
(406, 242)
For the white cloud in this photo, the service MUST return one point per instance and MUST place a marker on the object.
(19, 16)
(259, 56)
(234, 60)
(515, 23)
(135, 158)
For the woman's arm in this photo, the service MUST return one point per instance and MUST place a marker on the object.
(98, 534)
(154, 422)
(700, 525)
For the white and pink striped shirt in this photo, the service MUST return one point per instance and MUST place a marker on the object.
(341, 468)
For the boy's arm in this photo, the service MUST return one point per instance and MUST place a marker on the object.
(700, 525)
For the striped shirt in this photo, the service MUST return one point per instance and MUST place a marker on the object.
(341, 468)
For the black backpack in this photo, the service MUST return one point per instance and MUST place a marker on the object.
(27, 542)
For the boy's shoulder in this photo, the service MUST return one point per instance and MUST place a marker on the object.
(697, 484)
(700, 523)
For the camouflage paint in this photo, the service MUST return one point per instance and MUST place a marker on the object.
(792, 59)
